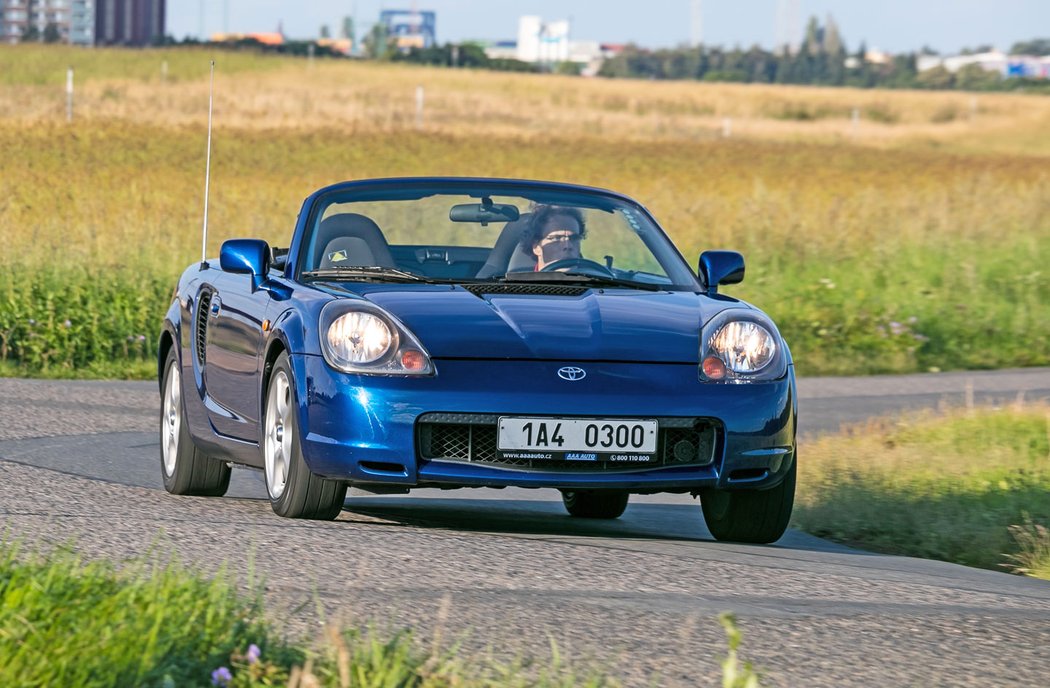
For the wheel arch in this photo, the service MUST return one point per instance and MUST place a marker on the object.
(164, 347)
(273, 352)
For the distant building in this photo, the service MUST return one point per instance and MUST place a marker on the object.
(32, 18)
(409, 28)
(549, 43)
(540, 41)
(265, 38)
(129, 22)
(1005, 65)
(343, 46)
(82, 22)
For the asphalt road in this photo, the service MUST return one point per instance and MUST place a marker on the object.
(638, 596)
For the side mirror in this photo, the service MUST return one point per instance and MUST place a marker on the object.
(246, 256)
(720, 267)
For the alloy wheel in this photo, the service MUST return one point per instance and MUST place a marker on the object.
(279, 435)
(171, 419)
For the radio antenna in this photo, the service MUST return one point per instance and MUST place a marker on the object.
(207, 170)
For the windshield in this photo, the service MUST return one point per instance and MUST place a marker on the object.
(477, 234)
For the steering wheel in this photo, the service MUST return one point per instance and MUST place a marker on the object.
(580, 265)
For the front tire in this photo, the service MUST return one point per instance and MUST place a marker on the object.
(754, 516)
(186, 470)
(294, 490)
(606, 504)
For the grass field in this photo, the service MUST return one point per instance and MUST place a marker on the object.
(917, 239)
(971, 487)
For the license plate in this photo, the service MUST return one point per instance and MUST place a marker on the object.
(578, 439)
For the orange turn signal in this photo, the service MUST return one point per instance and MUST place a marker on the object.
(413, 360)
(714, 368)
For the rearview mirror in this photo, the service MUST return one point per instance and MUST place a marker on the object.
(483, 213)
(720, 267)
(246, 256)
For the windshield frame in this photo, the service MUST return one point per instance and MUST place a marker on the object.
(679, 272)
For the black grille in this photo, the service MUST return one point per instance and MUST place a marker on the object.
(203, 306)
(523, 289)
(472, 438)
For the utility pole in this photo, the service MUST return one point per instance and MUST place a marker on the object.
(354, 48)
(696, 24)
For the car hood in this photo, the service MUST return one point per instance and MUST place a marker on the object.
(599, 325)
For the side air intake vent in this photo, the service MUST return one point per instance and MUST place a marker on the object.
(203, 308)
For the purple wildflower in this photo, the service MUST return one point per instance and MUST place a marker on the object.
(896, 328)
(253, 653)
(142, 337)
(221, 677)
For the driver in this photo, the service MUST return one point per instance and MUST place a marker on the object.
(554, 234)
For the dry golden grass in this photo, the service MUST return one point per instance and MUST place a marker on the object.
(109, 191)
(369, 97)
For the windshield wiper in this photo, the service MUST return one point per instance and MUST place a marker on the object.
(578, 278)
(370, 272)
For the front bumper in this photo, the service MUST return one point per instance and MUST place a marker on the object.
(365, 428)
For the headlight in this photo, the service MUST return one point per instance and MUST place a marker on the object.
(745, 347)
(358, 337)
(741, 346)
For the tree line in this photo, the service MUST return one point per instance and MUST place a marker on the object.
(822, 59)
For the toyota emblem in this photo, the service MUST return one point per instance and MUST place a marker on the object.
(572, 373)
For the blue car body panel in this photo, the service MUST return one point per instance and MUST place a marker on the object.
(493, 355)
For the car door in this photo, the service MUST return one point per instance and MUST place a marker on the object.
(233, 346)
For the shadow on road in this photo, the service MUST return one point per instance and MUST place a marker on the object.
(544, 518)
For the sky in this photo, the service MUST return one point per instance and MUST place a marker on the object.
(890, 25)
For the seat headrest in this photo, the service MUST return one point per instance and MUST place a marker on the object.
(507, 255)
(347, 251)
(351, 226)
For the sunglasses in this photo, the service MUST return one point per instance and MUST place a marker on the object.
(561, 238)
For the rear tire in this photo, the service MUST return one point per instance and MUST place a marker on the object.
(185, 469)
(294, 490)
(755, 516)
(595, 503)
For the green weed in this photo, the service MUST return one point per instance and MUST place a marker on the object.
(1033, 550)
(69, 323)
(735, 675)
(65, 621)
(953, 488)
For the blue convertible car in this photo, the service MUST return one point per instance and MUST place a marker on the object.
(446, 332)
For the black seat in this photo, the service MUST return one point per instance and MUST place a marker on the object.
(349, 239)
(507, 254)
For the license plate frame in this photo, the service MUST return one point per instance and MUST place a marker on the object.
(605, 440)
